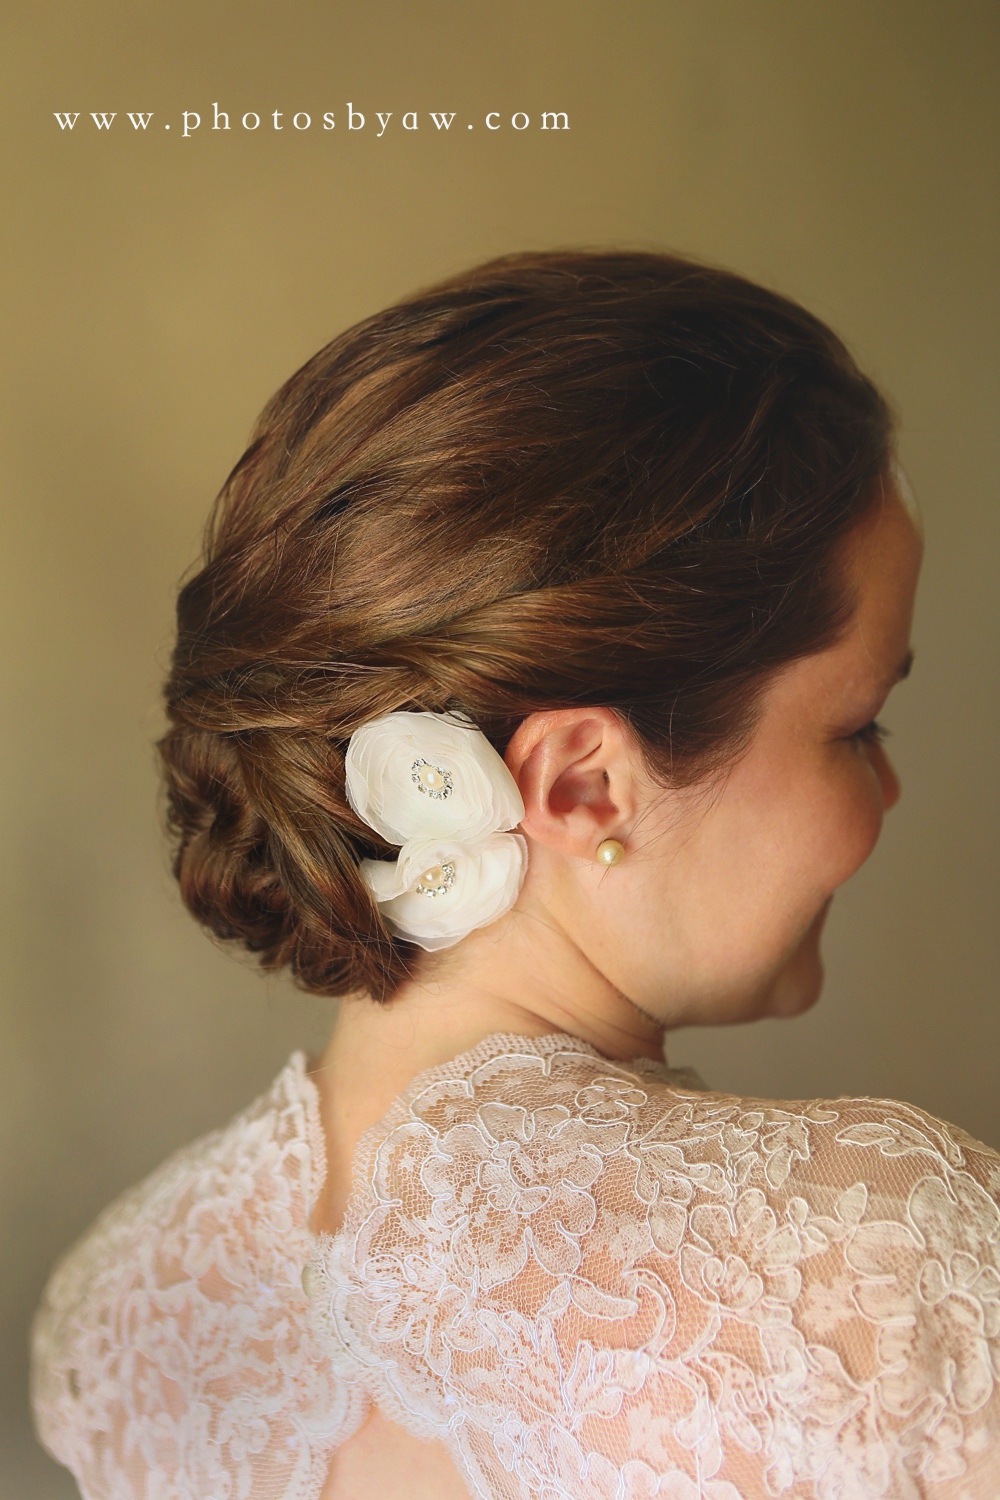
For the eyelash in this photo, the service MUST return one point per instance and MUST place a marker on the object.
(873, 733)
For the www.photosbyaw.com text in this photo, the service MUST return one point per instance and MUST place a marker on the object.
(349, 119)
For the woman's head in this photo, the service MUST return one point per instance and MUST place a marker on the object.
(619, 481)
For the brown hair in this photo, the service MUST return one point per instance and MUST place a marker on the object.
(563, 478)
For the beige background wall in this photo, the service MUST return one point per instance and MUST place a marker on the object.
(158, 289)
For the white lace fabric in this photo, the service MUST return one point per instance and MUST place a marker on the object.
(591, 1280)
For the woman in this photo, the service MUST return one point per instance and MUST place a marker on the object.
(527, 700)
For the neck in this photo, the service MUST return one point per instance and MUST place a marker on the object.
(522, 974)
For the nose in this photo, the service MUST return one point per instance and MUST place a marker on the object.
(887, 779)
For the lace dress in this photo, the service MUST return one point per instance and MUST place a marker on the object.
(591, 1280)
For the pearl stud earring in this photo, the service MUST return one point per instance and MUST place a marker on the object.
(610, 852)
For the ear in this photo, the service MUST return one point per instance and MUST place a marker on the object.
(576, 772)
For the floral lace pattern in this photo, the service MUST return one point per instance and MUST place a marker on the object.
(172, 1355)
(591, 1280)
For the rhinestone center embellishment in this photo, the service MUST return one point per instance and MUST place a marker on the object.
(432, 781)
(436, 881)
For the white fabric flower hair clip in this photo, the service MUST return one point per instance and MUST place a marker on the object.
(434, 784)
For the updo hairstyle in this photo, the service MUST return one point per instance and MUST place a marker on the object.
(611, 479)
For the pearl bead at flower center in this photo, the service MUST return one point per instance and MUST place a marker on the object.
(436, 881)
(432, 781)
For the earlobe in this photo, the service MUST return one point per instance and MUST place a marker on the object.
(575, 773)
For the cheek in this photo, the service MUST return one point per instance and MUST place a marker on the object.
(803, 836)
(851, 819)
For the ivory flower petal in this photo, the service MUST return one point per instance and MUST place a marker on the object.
(423, 775)
(439, 890)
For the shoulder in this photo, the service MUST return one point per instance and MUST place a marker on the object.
(152, 1309)
(556, 1105)
(259, 1160)
(716, 1285)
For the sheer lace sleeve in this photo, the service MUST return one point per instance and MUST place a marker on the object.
(172, 1358)
(594, 1282)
